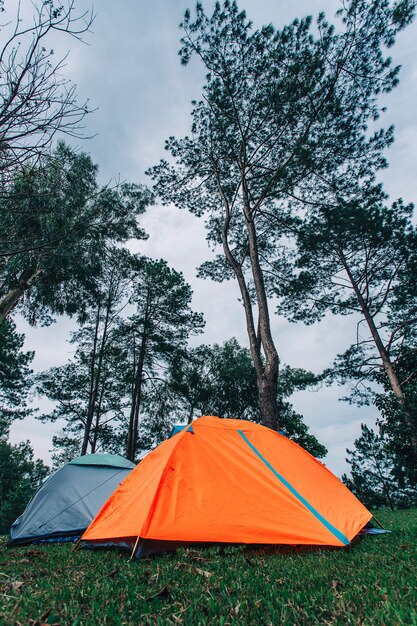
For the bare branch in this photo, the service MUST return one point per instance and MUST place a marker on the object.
(36, 101)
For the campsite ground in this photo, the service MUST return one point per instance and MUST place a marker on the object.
(371, 582)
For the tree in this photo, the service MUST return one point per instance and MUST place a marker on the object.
(398, 421)
(292, 423)
(353, 258)
(37, 101)
(105, 389)
(100, 392)
(158, 329)
(20, 477)
(90, 401)
(373, 478)
(60, 230)
(89, 390)
(15, 374)
(221, 380)
(281, 110)
(215, 380)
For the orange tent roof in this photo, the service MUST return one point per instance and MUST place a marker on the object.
(226, 480)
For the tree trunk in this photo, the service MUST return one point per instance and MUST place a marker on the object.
(190, 415)
(12, 297)
(90, 412)
(383, 353)
(95, 373)
(385, 358)
(268, 388)
(268, 383)
(97, 421)
(132, 435)
(266, 374)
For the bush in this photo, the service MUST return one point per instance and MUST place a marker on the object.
(20, 477)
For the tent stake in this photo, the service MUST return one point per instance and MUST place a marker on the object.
(379, 523)
(134, 548)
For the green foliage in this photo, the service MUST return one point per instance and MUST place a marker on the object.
(216, 380)
(155, 333)
(158, 417)
(69, 386)
(355, 241)
(371, 582)
(136, 321)
(356, 260)
(162, 311)
(398, 421)
(292, 423)
(14, 503)
(281, 111)
(60, 227)
(89, 391)
(221, 380)
(15, 374)
(282, 91)
(356, 256)
(374, 477)
(20, 477)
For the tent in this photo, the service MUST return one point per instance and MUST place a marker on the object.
(228, 481)
(69, 499)
(177, 428)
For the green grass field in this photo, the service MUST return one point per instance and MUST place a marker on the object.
(372, 581)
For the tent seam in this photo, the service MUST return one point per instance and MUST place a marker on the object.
(337, 533)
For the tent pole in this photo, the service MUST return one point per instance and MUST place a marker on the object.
(134, 548)
(379, 523)
(77, 544)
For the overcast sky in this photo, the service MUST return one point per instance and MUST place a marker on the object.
(131, 73)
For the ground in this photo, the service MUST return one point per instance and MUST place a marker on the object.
(371, 582)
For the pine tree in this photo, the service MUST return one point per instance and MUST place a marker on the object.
(281, 112)
(373, 478)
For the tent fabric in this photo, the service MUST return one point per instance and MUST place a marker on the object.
(69, 499)
(109, 460)
(228, 481)
(177, 428)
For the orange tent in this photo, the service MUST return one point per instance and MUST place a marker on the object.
(227, 480)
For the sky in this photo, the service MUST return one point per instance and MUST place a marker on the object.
(130, 72)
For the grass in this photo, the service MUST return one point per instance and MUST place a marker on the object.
(370, 582)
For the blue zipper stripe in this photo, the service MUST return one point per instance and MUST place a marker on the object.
(308, 506)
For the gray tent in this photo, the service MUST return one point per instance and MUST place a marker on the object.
(70, 499)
